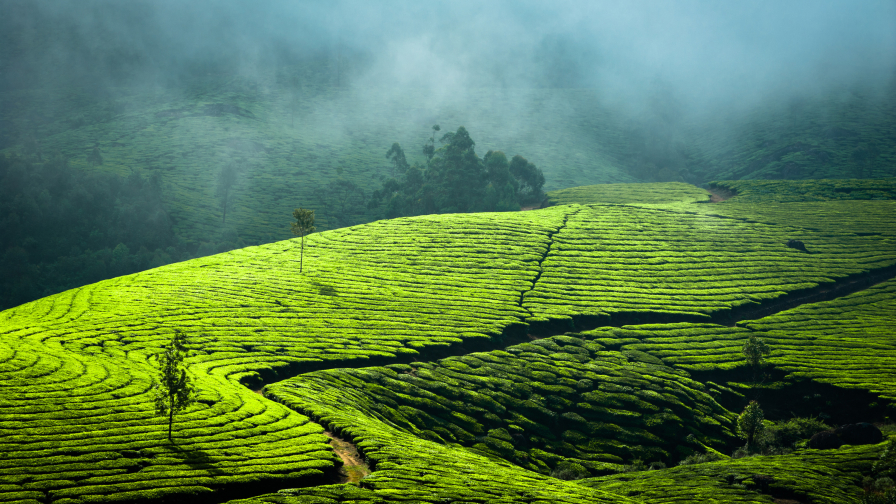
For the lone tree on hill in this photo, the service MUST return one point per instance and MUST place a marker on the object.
(749, 423)
(174, 392)
(755, 351)
(303, 225)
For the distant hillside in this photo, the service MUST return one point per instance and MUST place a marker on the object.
(294, 137)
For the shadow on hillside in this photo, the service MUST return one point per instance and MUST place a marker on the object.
(196, 459)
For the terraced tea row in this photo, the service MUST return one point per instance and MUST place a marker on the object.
(859, 217)
(79, 428)
(409, 468)
(822, 477)
(540, 404)
(380, 290)
(847, 342)
(611, 260)
(788, 191)
(602, 194)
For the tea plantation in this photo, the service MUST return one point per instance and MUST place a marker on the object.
(543, 356)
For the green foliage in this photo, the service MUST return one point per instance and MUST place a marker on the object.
(344, 201)
(750, 423)
(755, 350)
(886, 466)
(653, 264)
(701, 458)
(93, 159)
(879, 491)
(174, 391)
(61, 225)
(399, 162)
(524, 404)
(566, 470)
(410, 467)
(82, 426)
(304, 224)
(787, 434)
(829, 477)
(456, 180)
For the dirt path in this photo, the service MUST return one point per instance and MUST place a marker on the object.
(354, 468)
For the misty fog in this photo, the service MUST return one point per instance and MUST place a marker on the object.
(295, 97)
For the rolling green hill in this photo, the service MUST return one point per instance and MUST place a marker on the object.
(471, 358)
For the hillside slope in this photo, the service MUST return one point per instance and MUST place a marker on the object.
(512, 348)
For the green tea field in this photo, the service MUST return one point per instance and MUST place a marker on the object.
(589, 351)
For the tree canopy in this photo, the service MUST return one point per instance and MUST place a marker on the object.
(174, 391)
(456, 180)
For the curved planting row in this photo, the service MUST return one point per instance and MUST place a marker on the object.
(847, 342)
(539, 405)
(379, 290)
(822, 477)
(77, 376)
(659, 192)
(76, 427)
(617, 259)
(408, 467)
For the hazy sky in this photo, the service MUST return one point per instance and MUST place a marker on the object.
(706, 52)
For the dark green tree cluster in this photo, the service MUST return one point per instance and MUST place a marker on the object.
(455, 180)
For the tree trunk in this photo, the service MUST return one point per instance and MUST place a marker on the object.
(170, 417)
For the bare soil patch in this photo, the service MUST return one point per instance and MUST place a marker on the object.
(354, 468)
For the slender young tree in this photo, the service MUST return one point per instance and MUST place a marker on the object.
(749, 423)
(303, 225)
(755, 350)
(174, 392)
